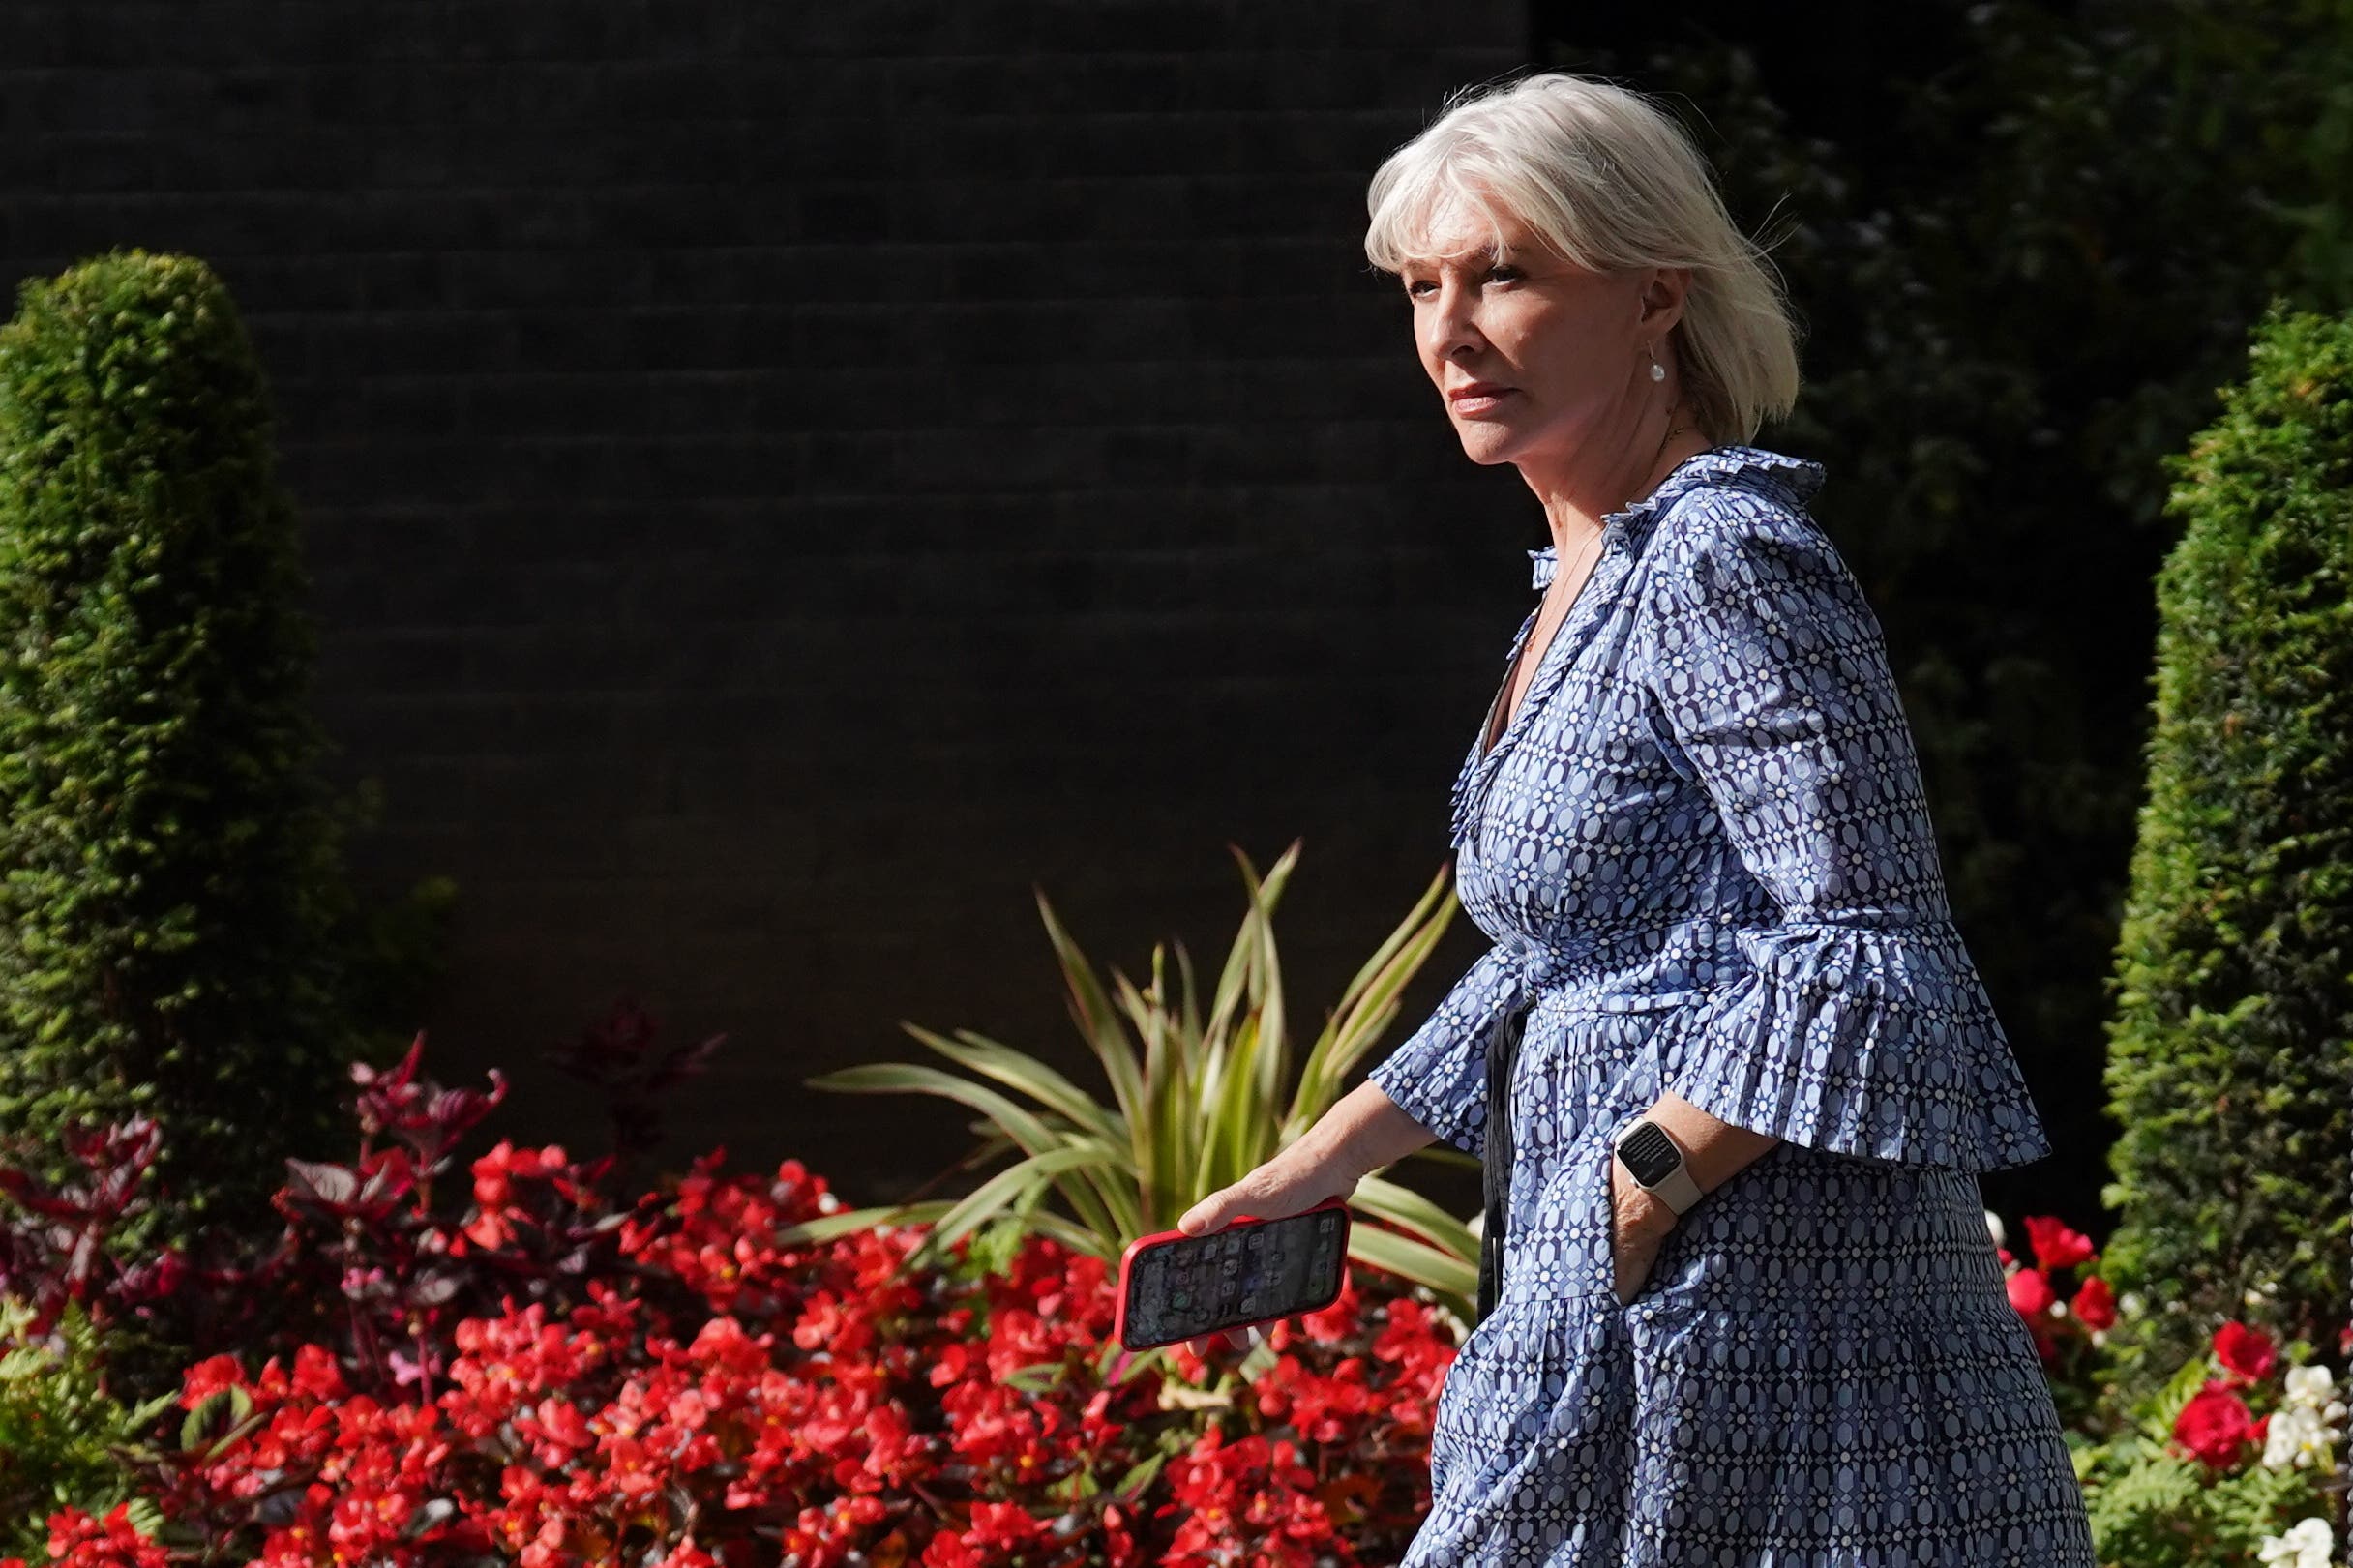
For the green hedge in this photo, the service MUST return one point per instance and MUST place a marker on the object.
(2230, 1066)
(172, 913)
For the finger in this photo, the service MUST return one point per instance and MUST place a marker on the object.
(1210, 1214)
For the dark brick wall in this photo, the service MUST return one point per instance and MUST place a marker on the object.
(781, 480)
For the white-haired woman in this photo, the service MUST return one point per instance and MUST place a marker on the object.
(1729, 1066)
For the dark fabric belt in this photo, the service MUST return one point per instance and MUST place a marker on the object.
(1495, 1153)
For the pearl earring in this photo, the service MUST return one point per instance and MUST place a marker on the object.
(1658, 372)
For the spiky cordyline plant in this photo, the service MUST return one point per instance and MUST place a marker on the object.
(1196, 1102)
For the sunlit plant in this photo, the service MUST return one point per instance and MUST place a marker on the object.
(1198, 1100)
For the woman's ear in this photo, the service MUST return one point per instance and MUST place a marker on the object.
(1664, 293)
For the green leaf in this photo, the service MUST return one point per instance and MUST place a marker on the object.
(1026, 1074)
(1403, 1206)
(826, 1227)
(968, 1212)
(1098, 1021)
(1023, 1126)
(1414, 1262)
(210, 1411)
(1138, 1477)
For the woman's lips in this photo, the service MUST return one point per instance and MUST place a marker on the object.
(1478, 402)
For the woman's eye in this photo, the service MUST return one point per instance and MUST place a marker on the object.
(1501, 273)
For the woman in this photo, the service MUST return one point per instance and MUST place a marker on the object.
(1773, 1328)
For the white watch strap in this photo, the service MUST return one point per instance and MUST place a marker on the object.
(1679, 1190)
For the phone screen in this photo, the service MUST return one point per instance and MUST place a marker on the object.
(1250, 1271)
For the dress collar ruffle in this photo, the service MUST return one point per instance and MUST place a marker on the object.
(1801, 476)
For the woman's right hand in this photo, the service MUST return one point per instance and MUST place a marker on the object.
(1294, 1180)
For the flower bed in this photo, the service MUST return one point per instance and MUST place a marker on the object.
(810, 1404)
(537, 1375)
(519, 1368)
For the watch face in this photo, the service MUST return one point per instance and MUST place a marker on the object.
(1650, 1153)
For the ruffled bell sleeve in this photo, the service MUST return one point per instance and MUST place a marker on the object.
(1860, 1024)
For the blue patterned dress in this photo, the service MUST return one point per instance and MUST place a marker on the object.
(1702, 852)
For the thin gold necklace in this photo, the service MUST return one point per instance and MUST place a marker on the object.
(1673, 430)
(1590, 545)
(1594, 543)
(1489, 739)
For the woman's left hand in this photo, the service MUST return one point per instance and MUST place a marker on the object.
(1639, 1223)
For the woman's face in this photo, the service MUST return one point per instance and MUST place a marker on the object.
(1536, 359)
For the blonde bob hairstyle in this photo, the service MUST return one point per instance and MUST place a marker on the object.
(1609, 181)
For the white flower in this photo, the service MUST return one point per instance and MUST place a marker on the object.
(2128, 1305)
(1993, 1227)
(2293, 1436)
(2306, 1546)
(2310, 1384)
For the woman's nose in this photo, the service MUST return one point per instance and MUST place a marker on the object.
(1449, 325)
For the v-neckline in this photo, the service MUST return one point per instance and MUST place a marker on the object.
(1490, 736)
(1490, 739)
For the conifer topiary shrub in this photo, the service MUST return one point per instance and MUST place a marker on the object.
(2230, 1065)
(170, 870)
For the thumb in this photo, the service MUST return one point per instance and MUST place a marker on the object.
(1208, 1215)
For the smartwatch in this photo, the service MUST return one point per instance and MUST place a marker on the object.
(1656, 1161)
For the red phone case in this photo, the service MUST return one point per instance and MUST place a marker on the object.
(1160, 1238)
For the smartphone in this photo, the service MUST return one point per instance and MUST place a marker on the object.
(1174, 1286)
